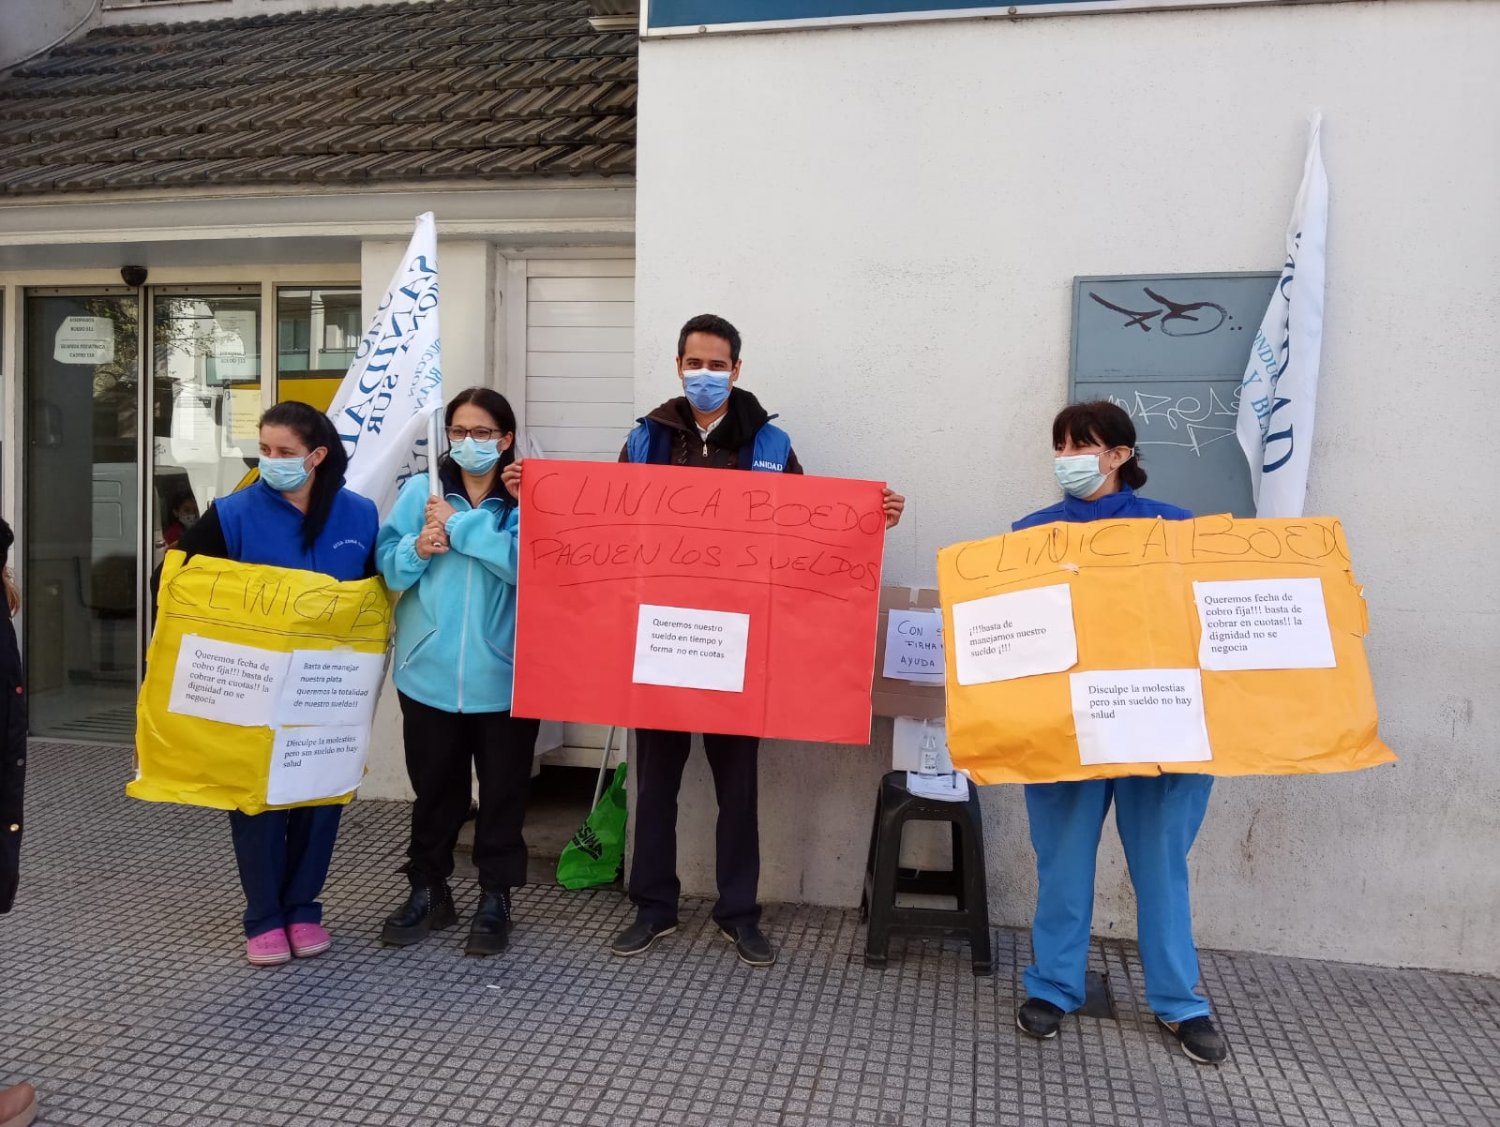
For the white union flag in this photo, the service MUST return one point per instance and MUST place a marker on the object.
(1278, 395)
(383, 407)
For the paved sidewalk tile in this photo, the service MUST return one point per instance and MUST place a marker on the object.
(125, 997)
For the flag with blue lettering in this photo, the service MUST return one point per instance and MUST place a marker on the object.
(395, 383)
(1279, 393)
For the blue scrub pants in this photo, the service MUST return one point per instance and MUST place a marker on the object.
(283, 857)
(1158, 817)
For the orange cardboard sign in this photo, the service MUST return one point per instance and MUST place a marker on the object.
(1139, 647)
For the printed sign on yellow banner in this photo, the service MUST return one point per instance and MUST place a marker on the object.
(1139, 647)
(260, 686)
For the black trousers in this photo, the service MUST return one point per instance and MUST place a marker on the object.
(659, 760)
(440, 746)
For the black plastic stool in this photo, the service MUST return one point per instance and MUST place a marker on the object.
(884, 877)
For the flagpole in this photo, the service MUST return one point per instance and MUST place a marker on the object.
(433, 490)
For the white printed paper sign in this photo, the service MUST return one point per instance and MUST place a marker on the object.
(1263, 624)
(914, 646)
(1140, 716)
(313, 763)
(331, 687)
(226, 681)
(1021, 634)
(691, 649)
(84, 340)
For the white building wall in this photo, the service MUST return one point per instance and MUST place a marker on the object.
(893, 216)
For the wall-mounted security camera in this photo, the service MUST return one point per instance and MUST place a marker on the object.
(133, 275)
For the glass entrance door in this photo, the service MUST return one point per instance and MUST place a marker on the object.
(81, 534)
(206, 402)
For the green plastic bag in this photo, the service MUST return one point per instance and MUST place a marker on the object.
(596, 853)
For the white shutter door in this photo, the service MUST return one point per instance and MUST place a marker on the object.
(580, 318)
(580, 352)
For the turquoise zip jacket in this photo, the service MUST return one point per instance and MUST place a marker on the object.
(456, 621)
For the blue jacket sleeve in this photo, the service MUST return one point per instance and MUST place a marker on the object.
(396, 543)
(494, 543)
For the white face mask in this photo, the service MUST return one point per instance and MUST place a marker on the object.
(1079, 474)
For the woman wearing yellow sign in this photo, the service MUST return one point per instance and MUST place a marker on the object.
(1158, 816)
(454, 556)
(297, 515)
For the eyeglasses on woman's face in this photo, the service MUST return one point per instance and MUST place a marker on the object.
(478, 434)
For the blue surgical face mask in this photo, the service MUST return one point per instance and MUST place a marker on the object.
(705, 390)
(1079, 475)
(285, 475)
(476, 457)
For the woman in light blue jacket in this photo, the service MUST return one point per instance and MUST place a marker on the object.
(454, 559)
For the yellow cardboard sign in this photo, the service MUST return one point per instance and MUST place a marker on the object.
(237, 668)
(1139, 647)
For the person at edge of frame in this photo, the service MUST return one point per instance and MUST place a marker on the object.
(1158, 816)
(714, 424)
(18, 1103)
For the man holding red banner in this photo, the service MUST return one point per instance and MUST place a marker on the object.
(712, 425)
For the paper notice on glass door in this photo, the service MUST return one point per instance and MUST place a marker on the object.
(84, 340)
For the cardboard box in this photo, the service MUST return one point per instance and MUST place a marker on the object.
(889, 697)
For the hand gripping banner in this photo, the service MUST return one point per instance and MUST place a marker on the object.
(260, 686)
(1143, 647)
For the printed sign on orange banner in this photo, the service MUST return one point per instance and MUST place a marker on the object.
(698, 600)
(1141, 647)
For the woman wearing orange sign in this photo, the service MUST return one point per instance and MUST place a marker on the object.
(1158, 816)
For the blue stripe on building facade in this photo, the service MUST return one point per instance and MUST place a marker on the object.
(692, 13)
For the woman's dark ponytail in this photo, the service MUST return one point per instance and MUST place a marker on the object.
(314, 429)
(1132, 473)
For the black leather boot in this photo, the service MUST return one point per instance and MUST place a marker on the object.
(428, 908)
(489, 933)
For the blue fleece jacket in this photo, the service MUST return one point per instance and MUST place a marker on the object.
(456, 622)
(1124, 504)
(261, 526)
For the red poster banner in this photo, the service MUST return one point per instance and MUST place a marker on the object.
(698, 600)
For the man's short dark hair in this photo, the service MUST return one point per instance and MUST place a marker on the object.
(713, 325)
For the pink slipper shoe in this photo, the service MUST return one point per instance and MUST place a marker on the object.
(269, 949)
(309, 940)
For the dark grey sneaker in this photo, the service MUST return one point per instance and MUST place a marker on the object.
(639, 936)
(1200, 1041)
(751, 944)
(1039, 1019)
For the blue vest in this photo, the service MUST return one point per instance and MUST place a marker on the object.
(651, 441)
(263, 527)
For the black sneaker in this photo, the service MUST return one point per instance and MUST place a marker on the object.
(489, 933)
(1199, 1039)
(426, 909)
(1039, 1019)
(751, 944)
(639, 936)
